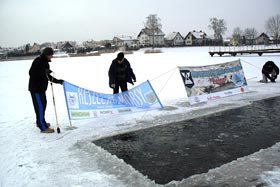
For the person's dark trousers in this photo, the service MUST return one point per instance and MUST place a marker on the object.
(40, 103)
(122, 85)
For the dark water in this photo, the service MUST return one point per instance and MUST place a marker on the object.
(178, 150)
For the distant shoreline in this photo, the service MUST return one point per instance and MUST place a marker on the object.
(17, 58)
(70, 55)
(34, 56)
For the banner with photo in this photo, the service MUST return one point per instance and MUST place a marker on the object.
(205, 83)
(83, 103)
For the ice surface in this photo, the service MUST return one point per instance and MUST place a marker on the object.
(29, 158)
(272, 178)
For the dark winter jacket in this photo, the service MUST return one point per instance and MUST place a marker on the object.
(39, 74)
(268, 67)
(128, 76)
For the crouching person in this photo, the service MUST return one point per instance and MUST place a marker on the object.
(269, 71)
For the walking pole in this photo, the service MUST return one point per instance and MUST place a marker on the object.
(57, 129)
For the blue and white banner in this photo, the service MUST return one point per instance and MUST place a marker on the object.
(83, 103)
(205, 83)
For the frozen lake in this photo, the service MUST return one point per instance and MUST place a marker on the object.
(71, 159)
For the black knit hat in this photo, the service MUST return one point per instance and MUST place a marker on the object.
(48, 51)
(120, 56)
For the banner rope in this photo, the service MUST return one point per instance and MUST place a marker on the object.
(251, 78)
(173, 69)
(164, 73)
(251, 64)
(167, 80)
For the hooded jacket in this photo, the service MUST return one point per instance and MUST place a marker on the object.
(129, 75)
(268, 67)
(39, 74)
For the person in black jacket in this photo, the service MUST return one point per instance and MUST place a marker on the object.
(120, 73)
(269, 71)
(39, 75)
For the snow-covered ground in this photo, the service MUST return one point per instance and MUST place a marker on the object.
(69, 159)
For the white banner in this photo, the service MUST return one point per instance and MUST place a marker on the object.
(205, 83)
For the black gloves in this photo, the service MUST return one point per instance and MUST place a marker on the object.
(48, 71)
(273, 78)
(60, 81)
(52, 79)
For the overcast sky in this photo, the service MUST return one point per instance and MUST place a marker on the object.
(29, 21)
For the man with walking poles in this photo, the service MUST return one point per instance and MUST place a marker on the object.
(39, 76)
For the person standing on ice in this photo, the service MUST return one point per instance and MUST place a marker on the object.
(269, 71)
(39, 75)
(120, 73)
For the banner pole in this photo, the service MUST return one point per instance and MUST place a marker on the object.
(67, 105)
(70, 122)
(155, 94)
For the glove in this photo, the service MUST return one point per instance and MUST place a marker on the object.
(112, 86)
(48, 71)
(60, 81)
(268, 76)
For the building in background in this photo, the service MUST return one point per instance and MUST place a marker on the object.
(196, 38)
(174, 39)
(149, 38)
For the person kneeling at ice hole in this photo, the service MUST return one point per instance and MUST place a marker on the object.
(269, 71)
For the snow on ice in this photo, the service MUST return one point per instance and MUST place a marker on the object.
(29, 158)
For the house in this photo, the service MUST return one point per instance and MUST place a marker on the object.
(262, 39)
(2, 53)
(148, 38)
(90, 44)
(272, 40)
(126, 41)
(48, 44)
(174, 39)
(35, 49)
(195, 38)
(248, 41)
(234, 41)
(68, 47)
(242, 40)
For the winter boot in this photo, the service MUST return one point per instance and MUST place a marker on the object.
(48, 130)
(48, 125)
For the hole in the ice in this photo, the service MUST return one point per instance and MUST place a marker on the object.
(178, 150)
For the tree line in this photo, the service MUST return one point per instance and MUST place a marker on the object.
(219, 27)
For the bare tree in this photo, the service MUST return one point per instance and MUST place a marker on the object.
(273, 27)
(237, 35)
(219, 28)
(250, 33)
(153, 24)
(27, 47)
